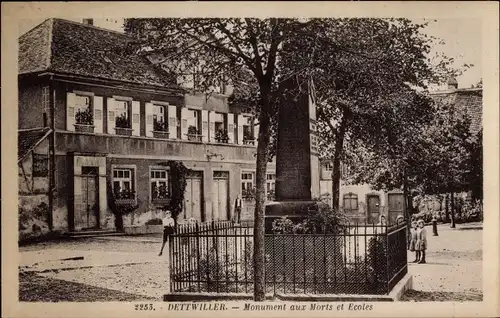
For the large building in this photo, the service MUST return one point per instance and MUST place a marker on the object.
(102, 120)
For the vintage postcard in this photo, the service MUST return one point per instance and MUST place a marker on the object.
(250, 158)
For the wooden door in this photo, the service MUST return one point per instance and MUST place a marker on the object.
(220, 195)
(395, 206)
(193, 197)
(373, 208)
(90, 199)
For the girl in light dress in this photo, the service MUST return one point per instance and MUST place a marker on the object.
(421, 244)
(413, 241)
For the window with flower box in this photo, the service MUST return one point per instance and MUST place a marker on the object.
(123, 185)
(270, 186)
(122, 112)
(84, 117)
(160, 190)
(248, 185)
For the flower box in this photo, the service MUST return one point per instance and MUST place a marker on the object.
(194, 137)
(84, 128)
(125, 201)
(249, 141)
(160, 134)
(123, 131)
(162, 201)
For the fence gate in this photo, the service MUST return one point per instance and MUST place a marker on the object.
(220, 195)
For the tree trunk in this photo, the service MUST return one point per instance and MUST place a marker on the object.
(452, 210)
(447, 209)
(339, 146)
(260, 195)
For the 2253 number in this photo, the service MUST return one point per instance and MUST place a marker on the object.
(144, 307)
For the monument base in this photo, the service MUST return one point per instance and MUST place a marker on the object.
(293, 210)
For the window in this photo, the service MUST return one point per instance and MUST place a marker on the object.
(45, 104)
(247, 185)
(193, 121)
(159, 118)
(248, 137)
(40, 165)
(350, 203)
(326, 170)
(219, 121)
(159, 184)
(123, 185)
(270, 185)
(83, 110)
(123, 114)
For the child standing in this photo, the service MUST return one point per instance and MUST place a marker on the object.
(168, 229)
(413, 241)
(421, 244)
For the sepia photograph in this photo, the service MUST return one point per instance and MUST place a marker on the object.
(251, 164)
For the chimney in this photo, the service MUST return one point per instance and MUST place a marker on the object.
(452, 83)
(88, 21)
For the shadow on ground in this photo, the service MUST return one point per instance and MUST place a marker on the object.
(35, 288)
(416, 295)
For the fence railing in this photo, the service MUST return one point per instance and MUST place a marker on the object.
(218, 257)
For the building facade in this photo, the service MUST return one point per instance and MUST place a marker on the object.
(115, 120)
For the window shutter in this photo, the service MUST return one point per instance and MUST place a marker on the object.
(204, 125)
(149, 119)
(111, 116)
(70, 111)
(256, 132)
(239, 119)
(172, 122)
(230, 128)
(136, 118)
(184, 123)
(98, 116)
(211, 126)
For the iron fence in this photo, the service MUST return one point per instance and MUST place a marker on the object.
(218, 257)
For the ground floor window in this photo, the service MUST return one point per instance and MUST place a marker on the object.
(159, 184)
(350, 203)
(248, 185)
(270, 185)
(123, 185)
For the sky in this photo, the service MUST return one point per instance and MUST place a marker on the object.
(462, 41)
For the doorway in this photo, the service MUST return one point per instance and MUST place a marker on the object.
(89, 218)
(373, 201)
(193, 196)
(220, 195)
(395, 206)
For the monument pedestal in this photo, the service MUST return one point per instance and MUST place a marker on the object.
(296, 211)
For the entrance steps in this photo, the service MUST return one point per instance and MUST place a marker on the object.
(93, 233)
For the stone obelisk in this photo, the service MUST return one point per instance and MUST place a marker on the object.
(297, 162)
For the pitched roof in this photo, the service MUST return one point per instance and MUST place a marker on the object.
(469, 101)
(69, 47)
(28, 139)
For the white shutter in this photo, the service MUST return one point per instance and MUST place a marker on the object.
(230, 128)
(136, 118)
(256, 132)
(211, 125)
(149, 119)
(172, 122)
(98, 116)
(70, 111)
(111, 115)
(239, 119)
(204, 125)
(184, 123)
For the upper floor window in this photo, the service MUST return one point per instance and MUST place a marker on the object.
(123, 114)
(248, 132)
(123, 185)
(159, 184)
(45, 104)
(83, 110)
(350, 202)
(219, 121)
(193, 121)
(160, 118)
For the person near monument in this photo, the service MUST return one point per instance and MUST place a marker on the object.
(381, 220)
(421, 244)
(413, 241)
(168, 229)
